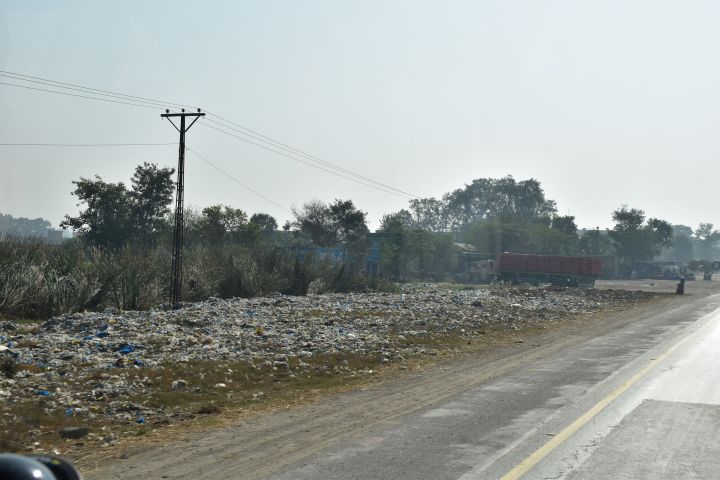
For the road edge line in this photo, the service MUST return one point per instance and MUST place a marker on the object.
(523, 467)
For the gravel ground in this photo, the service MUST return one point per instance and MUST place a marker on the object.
(100, 368)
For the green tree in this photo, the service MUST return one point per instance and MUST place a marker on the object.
(266, 223)
(565, 224)
(636, 239)
(105, 220)
(494, 236)
(328, 225)
(220, 223)
(113, 215)
(393, 235)
(349, 223)
(682, 250)
(399, 219)
(150, 199)
(428, 214)
(23, 227)
(407, 252)
(595, 242)
(314, 221)
(662, 233)
(707, 239)
(503, 199)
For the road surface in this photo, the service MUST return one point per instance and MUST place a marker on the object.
(634, 395)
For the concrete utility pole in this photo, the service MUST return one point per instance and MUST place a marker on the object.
(176, 279)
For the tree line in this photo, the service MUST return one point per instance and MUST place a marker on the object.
(493, 215)
(120, 256)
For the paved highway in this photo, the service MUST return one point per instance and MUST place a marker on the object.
(633, 394)
(641, 401)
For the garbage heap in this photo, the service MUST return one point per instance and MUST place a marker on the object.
(92, 363)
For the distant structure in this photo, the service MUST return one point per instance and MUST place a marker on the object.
(54, 237)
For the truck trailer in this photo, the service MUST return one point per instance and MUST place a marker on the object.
(555, 269)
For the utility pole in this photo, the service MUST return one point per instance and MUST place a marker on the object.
(176, 277)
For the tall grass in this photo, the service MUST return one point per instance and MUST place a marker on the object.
(39, 280)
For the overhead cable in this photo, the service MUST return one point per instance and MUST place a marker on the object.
(154, 107)
(85, 144)
(265, 141)
(295, 151)
(238, 181)
(96, 91)
(303, 161)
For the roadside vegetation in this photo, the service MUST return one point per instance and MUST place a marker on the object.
(120, 256)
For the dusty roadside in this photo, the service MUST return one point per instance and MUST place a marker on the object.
(101, 381)
(290, 429)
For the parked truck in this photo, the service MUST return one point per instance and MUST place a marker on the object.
(555, 269)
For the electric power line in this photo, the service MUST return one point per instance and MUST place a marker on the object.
(96, 91)
(283, 146)
(303, 161)
(78, 96)
(266, 142)
(238, 181)
(85, 144)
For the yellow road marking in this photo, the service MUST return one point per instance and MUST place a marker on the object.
(523, 467)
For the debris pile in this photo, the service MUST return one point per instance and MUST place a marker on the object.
(93, 365)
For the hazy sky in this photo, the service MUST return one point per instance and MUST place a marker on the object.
(605, 102)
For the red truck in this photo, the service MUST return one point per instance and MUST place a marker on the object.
(555, 269)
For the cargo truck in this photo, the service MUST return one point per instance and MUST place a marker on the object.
(555, 269)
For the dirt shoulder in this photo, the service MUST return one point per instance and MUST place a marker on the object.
(261, 438)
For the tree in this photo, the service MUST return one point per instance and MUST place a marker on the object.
(314, 220)
(494, 236)
(265, 222)
(150, 198)
(683, 230)
(105, 221)
(637, 240)
(393, 235)
(662, 233)
(428, 214)
(401, 218)
(327, 225)
(564, 224)
(23, 227)
(114, 215)
(705, 231)
(220, 222)
(595, 242)
(708, 239)
(409, 252)
(349, 223)
(682, 250)
(503, 199)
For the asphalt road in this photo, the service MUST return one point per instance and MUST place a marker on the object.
(642, 401)
(634, 395)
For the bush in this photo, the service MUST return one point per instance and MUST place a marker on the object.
(39, 280)
(8, 367)
(133, 278)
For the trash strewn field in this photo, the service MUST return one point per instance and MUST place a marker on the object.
(94, 378)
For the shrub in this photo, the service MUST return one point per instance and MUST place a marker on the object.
(39, 280)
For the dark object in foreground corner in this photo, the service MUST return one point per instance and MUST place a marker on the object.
(61, 468)
(36, 467)
(680, 290)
